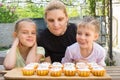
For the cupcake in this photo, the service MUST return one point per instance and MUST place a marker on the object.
(28, 71)
(83, 72)
(42, 70)
(69, 71)
(98, 71)
(55, 71)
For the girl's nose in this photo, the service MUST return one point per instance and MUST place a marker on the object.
(82, 36)
(29, 34)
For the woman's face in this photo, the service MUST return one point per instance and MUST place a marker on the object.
(56, 21)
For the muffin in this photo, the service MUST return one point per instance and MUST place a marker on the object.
(69, 71)
(98, 71)
(42, 70)
(28, 71)
(55, 71)
(83, 72)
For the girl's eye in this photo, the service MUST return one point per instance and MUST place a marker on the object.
(24, 32)
(33, 32)
(87, 34)
(79, 33)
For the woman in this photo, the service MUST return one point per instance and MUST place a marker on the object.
(59, 33)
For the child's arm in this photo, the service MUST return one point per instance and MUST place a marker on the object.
(10, 59)
(67, 57)
(101, 58)
(34, 55)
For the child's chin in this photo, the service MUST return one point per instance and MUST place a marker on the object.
(30, 45)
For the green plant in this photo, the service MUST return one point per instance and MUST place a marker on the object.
(3, 48)
(109, 62)
(7, 14)
(30, 11)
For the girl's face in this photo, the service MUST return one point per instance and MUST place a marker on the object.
(85, 37)
(27, 34)
(56, 21)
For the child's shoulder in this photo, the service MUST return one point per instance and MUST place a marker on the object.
(74, 45)
(98, 47)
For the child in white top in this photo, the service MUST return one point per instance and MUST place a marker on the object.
(24, 49)
(86, 49)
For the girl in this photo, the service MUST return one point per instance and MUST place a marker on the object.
(86, 49)
(24, 48)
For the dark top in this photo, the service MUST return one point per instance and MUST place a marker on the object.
(55, 46)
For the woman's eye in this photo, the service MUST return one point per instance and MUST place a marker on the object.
(60, 19)
(87, 34)
(50, 20)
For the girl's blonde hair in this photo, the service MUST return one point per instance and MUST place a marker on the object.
(87, 21)
(55, 4)
(17, 24)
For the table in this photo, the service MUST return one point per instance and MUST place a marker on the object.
(113, 71)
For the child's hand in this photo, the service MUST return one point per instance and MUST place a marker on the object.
(34, 47)
(16, 42)
(32, 54)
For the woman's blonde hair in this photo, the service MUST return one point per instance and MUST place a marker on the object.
(55, 4)
(88, 21)
(17, 24)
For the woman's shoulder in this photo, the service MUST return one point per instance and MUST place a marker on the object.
(72, 25)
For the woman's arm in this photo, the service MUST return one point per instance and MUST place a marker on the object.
(10, 59)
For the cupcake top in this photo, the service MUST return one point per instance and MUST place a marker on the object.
(47, 64)
(98, 68)
(42, 68)
(69, 64)
(69, 68)
(57, 64)
(83, 69)
(81, 65)
(92, 64)
(32, 65)
(55, 69)
(28, 68)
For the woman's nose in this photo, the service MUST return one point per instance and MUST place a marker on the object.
(56, 23)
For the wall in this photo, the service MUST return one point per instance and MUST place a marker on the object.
(6, 34)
